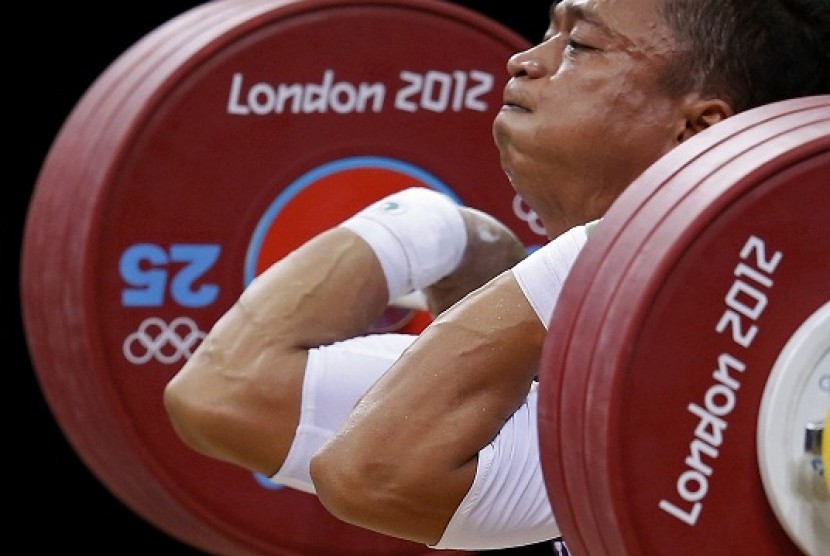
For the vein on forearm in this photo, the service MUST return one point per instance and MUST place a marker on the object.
(328, 290)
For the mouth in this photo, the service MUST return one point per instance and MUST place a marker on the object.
(513, 101)
(514, 107)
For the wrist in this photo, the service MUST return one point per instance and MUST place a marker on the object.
(417, 234)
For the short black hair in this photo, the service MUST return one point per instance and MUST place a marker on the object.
(749, 52)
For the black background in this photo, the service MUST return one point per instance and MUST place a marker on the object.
(54, 502)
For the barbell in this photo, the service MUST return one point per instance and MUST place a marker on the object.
(671, 419)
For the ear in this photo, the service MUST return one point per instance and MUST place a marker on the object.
(700, 114)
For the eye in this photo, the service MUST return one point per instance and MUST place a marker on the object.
(575, 45)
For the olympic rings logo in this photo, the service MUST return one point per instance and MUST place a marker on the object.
(155, 338)
(526, 214)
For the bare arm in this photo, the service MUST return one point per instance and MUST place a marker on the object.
(407, 455)
(491, 249)
(238, 398)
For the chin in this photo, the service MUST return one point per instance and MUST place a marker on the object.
(501, 131)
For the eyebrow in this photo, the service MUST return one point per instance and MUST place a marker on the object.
(579, 12)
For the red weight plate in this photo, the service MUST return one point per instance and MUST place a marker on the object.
(654, 196)
(633, 346)
(119, 89)
(779, 128)
(715, 502)
(210, 148)
(649, 202)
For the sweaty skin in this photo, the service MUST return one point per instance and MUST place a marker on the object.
(584, 113)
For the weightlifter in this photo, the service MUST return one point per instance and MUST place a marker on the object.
(433, 438)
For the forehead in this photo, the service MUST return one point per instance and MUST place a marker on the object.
(635, 26)
(624, 17)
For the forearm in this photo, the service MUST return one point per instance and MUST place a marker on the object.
(238, 397)
(473, 367)
(331, 288)
(418, 431)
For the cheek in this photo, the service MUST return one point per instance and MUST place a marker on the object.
(646, 135)
(638, 104)
(634, 126)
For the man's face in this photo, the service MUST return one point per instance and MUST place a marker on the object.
(584, 113)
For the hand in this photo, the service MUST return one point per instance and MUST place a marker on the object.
(491, 249)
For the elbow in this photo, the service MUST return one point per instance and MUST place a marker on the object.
(371, 494)
(246, 418)
(188, 417)
(341, 487)
(202, 418)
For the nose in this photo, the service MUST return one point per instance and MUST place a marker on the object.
(531, 63)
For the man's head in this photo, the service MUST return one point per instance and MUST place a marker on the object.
(618, 83)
